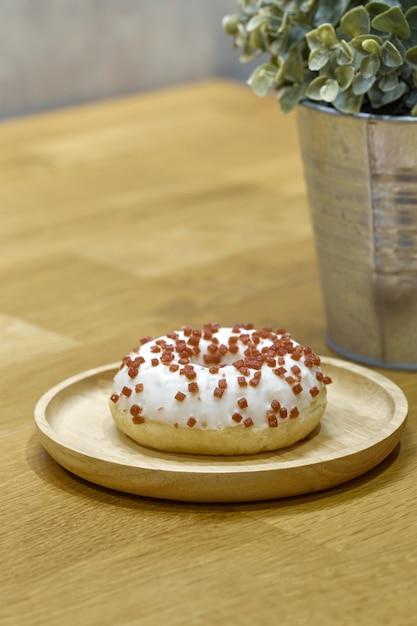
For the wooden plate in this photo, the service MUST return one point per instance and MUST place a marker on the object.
(365, 416)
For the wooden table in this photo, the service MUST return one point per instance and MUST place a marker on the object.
(131, 218)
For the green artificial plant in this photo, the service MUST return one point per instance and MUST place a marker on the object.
(353, 56)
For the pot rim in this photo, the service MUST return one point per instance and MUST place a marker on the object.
(395, 119)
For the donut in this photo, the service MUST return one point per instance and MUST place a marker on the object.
(219, 390)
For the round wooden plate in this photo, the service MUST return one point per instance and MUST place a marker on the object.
(365, 416)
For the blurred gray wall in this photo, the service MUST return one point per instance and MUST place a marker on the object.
(59, 52)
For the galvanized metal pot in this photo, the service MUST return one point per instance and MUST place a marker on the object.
(361, 174)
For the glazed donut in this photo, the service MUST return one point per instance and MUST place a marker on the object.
(216, 390)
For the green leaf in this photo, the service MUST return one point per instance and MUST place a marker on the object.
(371, 46)
(317, 59)
(343, 55)
(369, 66)
(356, 22)
(344, 76)
(327, 35)
(379, 98)
(330, 11)
(388, 81)
(411, 56)
(322, 89)
(411, 99)
(390, 55)
(313, 39)
(290, 96)
(256, 40)
(361, 84)
(375, 8)
(392, 21)
(262, 79)
(329, 90)
(369, 43)
(230, 24)
(348, 102)
(293, 70)
(411, 16)
(256, 22)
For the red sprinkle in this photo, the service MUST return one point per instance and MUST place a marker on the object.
(218, 393)
(314, 391)
(139, 388)
(180, 396)
(297, 389)
(242, 382)
(138, 419)
(280, 371)
(114, 398)
(294, 412)
(126, 391)
(189, 372)
(135, 410)
(327, 380)
(236, 417)
(242, 403)
(132, 372)
(191, 422)
(192, 387)
(272, 420)
(155, 362)
(275, 406)
(248, 422)
(194, 340)
(210, 359)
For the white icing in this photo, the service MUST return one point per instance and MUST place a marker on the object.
(160, 385)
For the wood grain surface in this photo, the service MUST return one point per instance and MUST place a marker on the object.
(130, 218)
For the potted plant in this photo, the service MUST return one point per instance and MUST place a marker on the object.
(349, 69)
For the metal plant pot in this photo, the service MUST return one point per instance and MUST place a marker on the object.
(361, 174)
